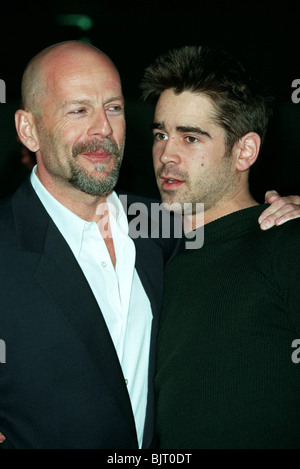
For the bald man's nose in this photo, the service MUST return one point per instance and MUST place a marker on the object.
(100, 125)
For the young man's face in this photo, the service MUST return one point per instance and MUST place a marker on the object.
(191, 161)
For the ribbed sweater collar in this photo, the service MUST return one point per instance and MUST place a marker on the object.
(233, 224)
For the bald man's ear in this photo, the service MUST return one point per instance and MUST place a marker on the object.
(246, 151)
(26, 130)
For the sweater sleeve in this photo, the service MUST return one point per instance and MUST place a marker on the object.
(286, 268)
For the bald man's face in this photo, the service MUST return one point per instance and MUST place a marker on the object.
(81, 124)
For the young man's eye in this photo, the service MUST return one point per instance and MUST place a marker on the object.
(191, 139)
(160, 136)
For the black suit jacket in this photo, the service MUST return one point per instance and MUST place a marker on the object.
(62, 385)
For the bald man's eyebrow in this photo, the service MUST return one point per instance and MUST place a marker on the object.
(76, 102)
(115, 98)
(90, 102)
(182, 129)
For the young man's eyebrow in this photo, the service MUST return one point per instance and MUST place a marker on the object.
(194, 130)
(182, 128)
(158, 125)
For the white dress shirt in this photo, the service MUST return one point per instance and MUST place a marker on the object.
(118, 291)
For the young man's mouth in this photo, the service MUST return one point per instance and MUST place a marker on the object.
(170, 183)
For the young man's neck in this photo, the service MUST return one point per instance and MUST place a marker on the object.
(222, 208)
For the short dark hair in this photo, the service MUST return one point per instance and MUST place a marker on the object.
(241, 104)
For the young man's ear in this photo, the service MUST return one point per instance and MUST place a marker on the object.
(247, 150)
(26, 130)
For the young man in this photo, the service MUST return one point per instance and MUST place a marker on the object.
(227, 373)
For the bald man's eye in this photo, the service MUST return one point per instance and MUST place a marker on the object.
(78, 112)
(116, 107)
(115, 110)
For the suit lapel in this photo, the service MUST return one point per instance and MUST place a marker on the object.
(146, 249)
(150, 267)
(146, 267)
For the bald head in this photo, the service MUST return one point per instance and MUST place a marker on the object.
(43, 66)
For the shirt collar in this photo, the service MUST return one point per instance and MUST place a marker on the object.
(71, 225)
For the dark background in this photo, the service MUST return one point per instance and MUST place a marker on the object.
(265, 37)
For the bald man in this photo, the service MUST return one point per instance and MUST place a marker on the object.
(80, 298)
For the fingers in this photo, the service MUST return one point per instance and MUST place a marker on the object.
(281, 210)
(275, 201)
(290, 212)
(271, 196)
(2, 438)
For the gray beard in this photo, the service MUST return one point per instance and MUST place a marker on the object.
(90, 184)
(94, 186)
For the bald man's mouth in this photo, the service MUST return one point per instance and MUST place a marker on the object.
(97, 151)
(99, 156)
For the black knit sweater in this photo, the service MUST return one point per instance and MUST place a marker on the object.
(225, 375)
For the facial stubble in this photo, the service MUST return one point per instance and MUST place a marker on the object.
(209, 189)
(88, 183)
